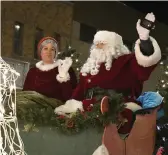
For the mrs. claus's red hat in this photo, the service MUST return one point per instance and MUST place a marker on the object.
(41, 41)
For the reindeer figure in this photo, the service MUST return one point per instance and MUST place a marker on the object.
(10, 140)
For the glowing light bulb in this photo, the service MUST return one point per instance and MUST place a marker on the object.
(77, 60)
(4, 77)
(158, 127)
(13, 105)
(162, 81)
(17, 27)
(17, 130)
(11, 88)
(161, 62)
(6, 71)
(164, 85)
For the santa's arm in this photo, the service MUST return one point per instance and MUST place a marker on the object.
(68, 86)
(147, 50)
(146, 47)
(73, 78)
(75, 101)
(78, 93)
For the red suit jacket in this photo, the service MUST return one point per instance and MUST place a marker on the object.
(125, 75)
(45, 82)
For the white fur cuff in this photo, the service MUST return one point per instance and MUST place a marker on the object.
(70, 106)
(64, 78)
(147, 61)
(133, 106)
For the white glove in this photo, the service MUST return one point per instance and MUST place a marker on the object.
(63, 68)
(71, 106)
(143, 32)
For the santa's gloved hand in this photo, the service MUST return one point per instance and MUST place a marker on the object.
(63, 68)
(143, 32)
(71, 106)
(88, 104)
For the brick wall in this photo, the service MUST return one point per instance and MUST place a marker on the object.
(50, 16)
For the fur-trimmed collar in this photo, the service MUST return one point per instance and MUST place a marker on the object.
(46, 67)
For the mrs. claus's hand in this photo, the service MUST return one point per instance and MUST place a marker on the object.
(64, 65)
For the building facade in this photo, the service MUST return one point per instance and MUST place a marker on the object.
(24, 23)
(90, 16)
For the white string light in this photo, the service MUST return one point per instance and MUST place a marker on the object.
(163, 85)
(10, 140)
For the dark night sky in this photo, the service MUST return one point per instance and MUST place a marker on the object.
(160, 9)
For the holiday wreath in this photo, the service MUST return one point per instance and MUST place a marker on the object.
(35, 109)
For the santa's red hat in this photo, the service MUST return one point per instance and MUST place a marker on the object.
(108, 37)
(39, 46)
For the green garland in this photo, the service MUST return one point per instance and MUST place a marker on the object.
(35, 109)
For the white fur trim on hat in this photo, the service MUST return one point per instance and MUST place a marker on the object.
(133, 106)
(46, 67)
(108, 37)
(147, 61)
(70, 106)
(101, 150)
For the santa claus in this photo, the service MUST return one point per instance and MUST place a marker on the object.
(51, 77)
(111, 66)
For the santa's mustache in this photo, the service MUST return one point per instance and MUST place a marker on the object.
(100, 55)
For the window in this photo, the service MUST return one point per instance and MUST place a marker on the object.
(57, 37)
(87, 33)
(39, 34)
(18, 38)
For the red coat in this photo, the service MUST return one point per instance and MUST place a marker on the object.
(125, 75)
(45, 82)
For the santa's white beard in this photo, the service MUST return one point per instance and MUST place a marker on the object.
(99, 56)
